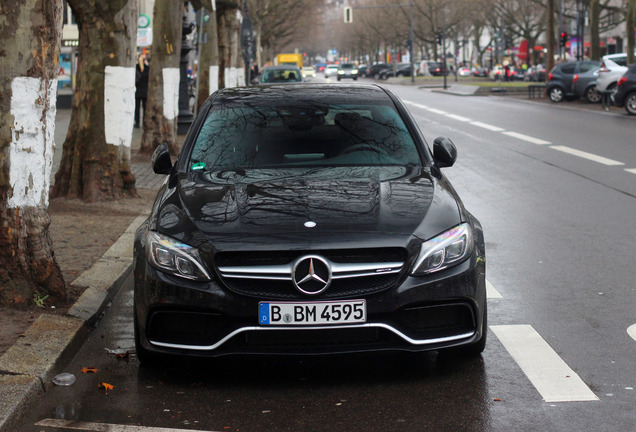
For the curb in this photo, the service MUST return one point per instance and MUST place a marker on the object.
(26, 369)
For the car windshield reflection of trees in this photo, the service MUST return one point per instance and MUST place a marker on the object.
(303, 135)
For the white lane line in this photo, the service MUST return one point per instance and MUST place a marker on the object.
(416, 105)
(586, 155)
(549, 374)
(491, 292)
(86, 426)
(458, 117)
(436, 111)
(631, 170)
(523, 137)
(631, 330)
(487, 126)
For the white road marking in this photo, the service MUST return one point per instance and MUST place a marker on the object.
(631, 170)
(491, 292)
(523, 137)
(487, 126)
(549, 374)
(458, 117)
(586, 155)
(105, 427)
(436, 111)
(416, 105)
(631, 330)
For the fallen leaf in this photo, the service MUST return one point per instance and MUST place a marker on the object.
(123, 356)
(89, 369)
(497, 400)
(105, 386)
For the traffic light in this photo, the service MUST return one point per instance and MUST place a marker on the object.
(438, 38)
(564, 38)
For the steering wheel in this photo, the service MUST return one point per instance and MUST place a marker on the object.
(362, 147)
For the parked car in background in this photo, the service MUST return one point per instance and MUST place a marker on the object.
(535, 73)
(496, 73)
(517, 73)
(480, 71)
(308, 219)
(309, 72)
(402, 70)
(435, 68)
(625, 95)
(320, 67)
(561, 78)
(584, 86)
(374, 70)
(362, 70)
(331, 70)
(347, 70)
(280, 74)
(613, 67)
(464, 72)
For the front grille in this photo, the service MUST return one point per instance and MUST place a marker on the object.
(344, 256)
(308, 339)
(347, 285)
(340, 288)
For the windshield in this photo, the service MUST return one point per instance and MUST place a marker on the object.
(303, 134)
(280, 75)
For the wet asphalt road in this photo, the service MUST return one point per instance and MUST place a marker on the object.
(560, 247)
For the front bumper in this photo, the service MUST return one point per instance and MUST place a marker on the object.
(176, 316)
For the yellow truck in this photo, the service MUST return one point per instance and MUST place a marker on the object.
(296, 59)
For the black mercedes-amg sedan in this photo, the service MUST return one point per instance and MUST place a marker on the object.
(307, 219)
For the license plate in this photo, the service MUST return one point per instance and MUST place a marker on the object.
(311, 313)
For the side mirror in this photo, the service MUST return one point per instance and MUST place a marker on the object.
(161, 162)
(444, 152)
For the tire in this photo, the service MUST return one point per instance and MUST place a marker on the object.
(592, 95)
(556, 94)
(338, 78)
(630, 103)
(355, 78)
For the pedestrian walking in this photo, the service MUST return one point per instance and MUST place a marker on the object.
(141, 87)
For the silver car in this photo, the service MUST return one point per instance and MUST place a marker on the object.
(612, 68)
(331, 70)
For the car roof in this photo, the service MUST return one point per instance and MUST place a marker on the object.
(281, 67)
(329, 93)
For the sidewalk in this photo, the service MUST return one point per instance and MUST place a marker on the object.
(93, 245)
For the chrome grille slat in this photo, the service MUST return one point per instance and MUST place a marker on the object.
(257, 278)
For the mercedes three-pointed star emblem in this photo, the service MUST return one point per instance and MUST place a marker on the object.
(311, 274)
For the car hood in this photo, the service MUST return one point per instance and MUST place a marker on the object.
(308, 206)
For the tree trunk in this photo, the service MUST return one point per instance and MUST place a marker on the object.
(31, 32)
(162, 106)
(96, 154)
(595, 12)
(551, 41)
(226, 17)
(630, 24)
(209, 56)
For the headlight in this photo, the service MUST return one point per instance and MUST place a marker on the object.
(340, 72)
(355, 71)
(445, 250)
(171, 256)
